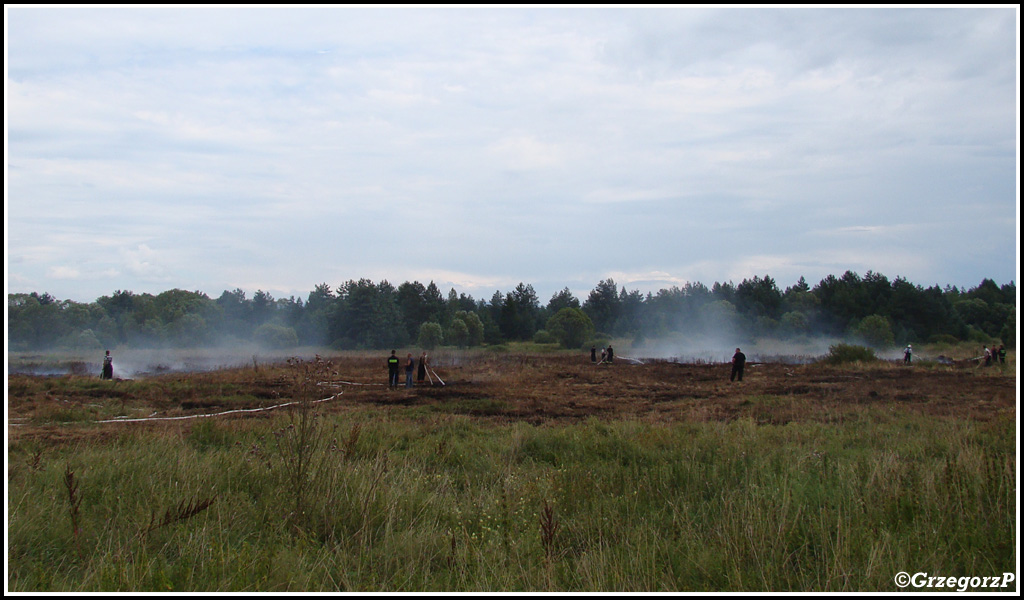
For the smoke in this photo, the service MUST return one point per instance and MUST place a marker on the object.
(141, 363)
(712, 333)
(719, 349)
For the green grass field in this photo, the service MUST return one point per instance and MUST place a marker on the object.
(408, 498)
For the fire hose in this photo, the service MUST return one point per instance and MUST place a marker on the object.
(227, 412)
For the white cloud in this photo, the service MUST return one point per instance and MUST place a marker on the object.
(143, 263)
(645, 280)
(489, 146)
(61, 272)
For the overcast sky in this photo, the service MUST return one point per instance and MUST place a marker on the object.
(278, 148)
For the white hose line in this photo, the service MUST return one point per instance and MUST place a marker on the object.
(635, 360)
(243, 410)
(227, 412)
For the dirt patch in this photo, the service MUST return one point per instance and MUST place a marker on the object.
(533, 389)
(559, 388)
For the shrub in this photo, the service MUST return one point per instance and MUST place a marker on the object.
(474, 326)
(431, 336)
(875, 331)
(570, 327)
(848, 353)
(544, 337)
(458, 333)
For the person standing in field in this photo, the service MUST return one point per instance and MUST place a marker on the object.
(422, 374)
(1002, 354)
(739, 360)
(593, 354)
(392, 370)
(611, 354)
(410, 366)
(907, 352)
(108, 367)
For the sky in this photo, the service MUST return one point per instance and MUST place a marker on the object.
(278, 148)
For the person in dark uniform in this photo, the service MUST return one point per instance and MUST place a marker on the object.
(393, 370)
(738, 361)
(108, 367)
(593, 354)
(611, 355)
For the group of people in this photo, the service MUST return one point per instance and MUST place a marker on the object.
(990, 356)
(607, 355)
(395, 366)
(739, 360)
(995, 355)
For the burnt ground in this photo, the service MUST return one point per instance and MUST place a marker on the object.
(545, 389)
(536, 389)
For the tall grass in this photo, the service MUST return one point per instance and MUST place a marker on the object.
(443, 503)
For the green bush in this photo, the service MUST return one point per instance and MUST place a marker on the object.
(571, 327)
(875, 331)
(543, 337)
(458, 333)
(431, 335)
(848, 353)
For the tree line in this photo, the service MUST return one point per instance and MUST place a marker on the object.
(363, 314)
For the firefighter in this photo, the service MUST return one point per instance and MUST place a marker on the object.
(393, 370)
(738, 361)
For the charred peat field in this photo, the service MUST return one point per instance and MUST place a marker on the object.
(510, 472)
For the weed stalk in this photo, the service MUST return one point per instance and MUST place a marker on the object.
(548, 530)
(74, 504)
(303, 440)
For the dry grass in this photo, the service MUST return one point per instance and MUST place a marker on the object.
(184, 510)
(507, 388)
(539, 472)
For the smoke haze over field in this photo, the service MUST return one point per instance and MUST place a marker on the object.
(720, 350)
(142, 362)
(276, 148)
